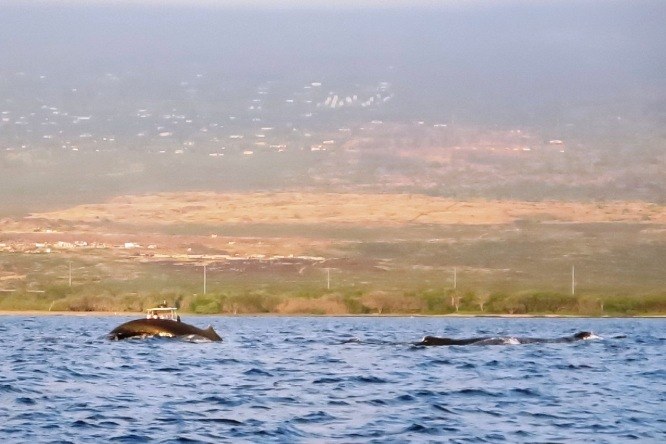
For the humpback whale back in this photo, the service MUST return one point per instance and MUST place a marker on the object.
(161, 327)
(581, 335)
(434, 340)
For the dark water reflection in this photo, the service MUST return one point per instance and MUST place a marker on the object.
(303, 380)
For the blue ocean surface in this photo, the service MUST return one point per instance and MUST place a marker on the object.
(353, 379)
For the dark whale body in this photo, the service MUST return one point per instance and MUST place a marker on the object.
(434, 340)
(161, 327)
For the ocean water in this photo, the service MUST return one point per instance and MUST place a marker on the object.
(309, 379)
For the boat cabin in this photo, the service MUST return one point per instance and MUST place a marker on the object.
(162, 313)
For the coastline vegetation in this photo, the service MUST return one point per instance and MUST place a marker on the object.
(342, 301)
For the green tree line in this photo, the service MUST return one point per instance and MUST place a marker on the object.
(342, 302)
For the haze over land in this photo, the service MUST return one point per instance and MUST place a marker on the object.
(464, 99)
(539, 113)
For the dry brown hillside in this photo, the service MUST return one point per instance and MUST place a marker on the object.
(364, 209)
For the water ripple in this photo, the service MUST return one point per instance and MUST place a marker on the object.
(332, 379)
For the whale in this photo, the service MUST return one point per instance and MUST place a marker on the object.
(161, 327)
(435, 340)
(428, 341)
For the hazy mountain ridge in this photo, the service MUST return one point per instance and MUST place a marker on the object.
(549, 100)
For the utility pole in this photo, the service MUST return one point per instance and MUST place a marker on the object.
(328, 278)
(454, 293)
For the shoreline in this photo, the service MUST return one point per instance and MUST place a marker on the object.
(254, 315)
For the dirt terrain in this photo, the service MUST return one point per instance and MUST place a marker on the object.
(353, 253)
(364, 209)
(184, 225)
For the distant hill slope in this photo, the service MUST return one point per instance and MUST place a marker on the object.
(342, 208)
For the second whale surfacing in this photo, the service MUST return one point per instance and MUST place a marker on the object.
(435, 340)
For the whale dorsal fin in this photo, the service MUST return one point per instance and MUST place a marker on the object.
(212, 334)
